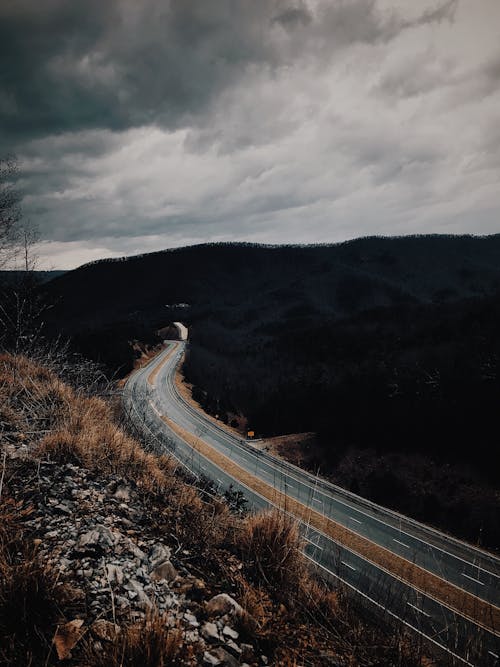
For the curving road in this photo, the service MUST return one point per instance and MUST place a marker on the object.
(347, 537)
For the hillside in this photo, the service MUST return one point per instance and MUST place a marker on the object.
(263, 283)
(110, 557)
(40, 277)
(388, 349)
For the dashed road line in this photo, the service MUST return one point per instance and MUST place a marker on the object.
(420, 611)
(348, 565)
(401, 543)
(473, 579)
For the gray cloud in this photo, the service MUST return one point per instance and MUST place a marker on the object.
(153, 123)
(120, 64)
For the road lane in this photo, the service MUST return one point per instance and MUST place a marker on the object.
(469, 568)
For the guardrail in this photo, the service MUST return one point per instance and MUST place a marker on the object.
(379, 510)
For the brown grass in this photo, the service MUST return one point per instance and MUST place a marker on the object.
(71, 427)
(271, 549)
(32, 601)
(149, 643)
(87, 436)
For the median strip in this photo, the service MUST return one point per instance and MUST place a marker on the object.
(466, 604)
(156, 369)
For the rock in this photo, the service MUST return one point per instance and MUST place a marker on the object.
(165, 571)
(89, 539)
(105, 630)
(210, 632)
(159, 554)
(229, 632)
(138, 553)
(191, 619)
(64, 508)
(115, 573)
(233, 647)
(209, 659)
(223, 604)
(136, 590)
(95, 541)
(122, 493)
(225, 658)
(67, 637)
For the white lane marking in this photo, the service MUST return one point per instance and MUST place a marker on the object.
(420, 611)
(356, 520)
(401, 543)
(220, 481)
(390, 574)
(317, 500)
(348, 565)
(328, 494)
(494, 655)
(313, 543)
(472, 579)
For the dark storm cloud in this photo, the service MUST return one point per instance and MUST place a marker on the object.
(68, 66)
(142, 124)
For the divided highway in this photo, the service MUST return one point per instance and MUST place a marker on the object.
(443, 589)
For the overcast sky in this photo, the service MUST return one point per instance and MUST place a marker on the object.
(153, 124)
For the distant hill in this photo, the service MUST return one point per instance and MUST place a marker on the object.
(261, 283)
(11, 277)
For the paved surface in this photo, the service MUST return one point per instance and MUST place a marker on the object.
(468, 568)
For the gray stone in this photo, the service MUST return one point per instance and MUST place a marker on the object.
(191, 619)
(209, 659)
(135, 587)
(233, 647)
(210, 632)
(115, 573)
(122, 493)
(225, 658)
(159, 553)
(229, 632)
(165, 571)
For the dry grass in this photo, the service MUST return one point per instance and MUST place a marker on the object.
(32, 600)
(71, 427)
(271, 549)
(149, 643)
(87, 436)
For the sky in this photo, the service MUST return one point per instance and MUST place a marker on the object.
(145, 125)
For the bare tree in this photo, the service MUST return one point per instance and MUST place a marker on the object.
(20, 305)
(10, 212)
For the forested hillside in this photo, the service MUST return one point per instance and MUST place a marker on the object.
(388, 349)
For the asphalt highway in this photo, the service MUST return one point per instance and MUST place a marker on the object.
(151, 394)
